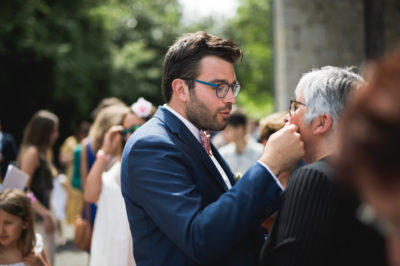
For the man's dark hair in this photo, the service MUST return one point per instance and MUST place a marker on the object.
(183, 57)
(237, 119)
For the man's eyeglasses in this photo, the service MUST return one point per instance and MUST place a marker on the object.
(221, 89)
(294, 105)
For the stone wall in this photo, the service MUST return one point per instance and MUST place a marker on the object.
(310, 34)
(391, 24)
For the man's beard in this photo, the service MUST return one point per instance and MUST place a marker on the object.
(200, 116)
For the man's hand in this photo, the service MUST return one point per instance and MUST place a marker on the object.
(284, 149)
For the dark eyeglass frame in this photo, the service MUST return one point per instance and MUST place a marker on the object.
(220, 91)
(294, 105)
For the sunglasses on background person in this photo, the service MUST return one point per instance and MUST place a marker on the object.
(127, 131)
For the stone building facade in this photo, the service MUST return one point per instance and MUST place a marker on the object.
(310, 34)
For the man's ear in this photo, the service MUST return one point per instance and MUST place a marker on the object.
(180, 89)
(322, 124)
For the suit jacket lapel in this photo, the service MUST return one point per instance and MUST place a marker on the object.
(177, 127)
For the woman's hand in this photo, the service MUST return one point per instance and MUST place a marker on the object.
(34, 259)
(49, 223)
(111, 147)
(112, 140)
(48, 219)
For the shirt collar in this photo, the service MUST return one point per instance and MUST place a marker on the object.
(195, 131)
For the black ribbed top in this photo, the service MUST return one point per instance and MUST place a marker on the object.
(317, 225)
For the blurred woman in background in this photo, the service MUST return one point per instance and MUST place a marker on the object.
(111, 239)
(36, 159)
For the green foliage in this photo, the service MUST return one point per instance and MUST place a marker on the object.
(251, 30)
(53, 56)
(140, 33)
(67, 55)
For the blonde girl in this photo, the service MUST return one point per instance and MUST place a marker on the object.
(114, 125)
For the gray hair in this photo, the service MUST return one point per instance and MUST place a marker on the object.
(326, 91)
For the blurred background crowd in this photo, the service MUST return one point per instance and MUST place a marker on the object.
(74, 75)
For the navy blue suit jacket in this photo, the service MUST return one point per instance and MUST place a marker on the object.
(179, 209)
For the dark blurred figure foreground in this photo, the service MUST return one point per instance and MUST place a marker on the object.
(369, 149)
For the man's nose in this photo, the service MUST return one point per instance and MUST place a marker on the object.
(230, 97)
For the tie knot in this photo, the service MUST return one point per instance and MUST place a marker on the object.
(205, 141)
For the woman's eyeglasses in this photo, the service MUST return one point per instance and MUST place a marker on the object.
(294, 105)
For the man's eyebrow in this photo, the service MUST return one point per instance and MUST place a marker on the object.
(219, 81)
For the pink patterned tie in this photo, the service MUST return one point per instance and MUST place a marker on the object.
(205, 142)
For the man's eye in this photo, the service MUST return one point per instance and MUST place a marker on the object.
(222, 86)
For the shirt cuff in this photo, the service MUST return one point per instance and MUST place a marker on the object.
(272, 174)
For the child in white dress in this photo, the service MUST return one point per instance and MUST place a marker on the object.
(19, 245)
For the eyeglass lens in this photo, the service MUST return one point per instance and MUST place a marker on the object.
(223, 89)
(292, 107)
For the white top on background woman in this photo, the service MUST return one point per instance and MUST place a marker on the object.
(111, 240)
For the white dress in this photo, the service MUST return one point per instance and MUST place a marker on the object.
(111, 239)
(59, 197)
(38, 248)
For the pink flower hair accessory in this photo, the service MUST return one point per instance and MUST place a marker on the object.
(142, 107)
(31, 196)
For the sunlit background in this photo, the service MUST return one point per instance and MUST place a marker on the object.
(66, 56)
(194, 11)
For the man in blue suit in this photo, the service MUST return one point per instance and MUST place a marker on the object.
(183, 205)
